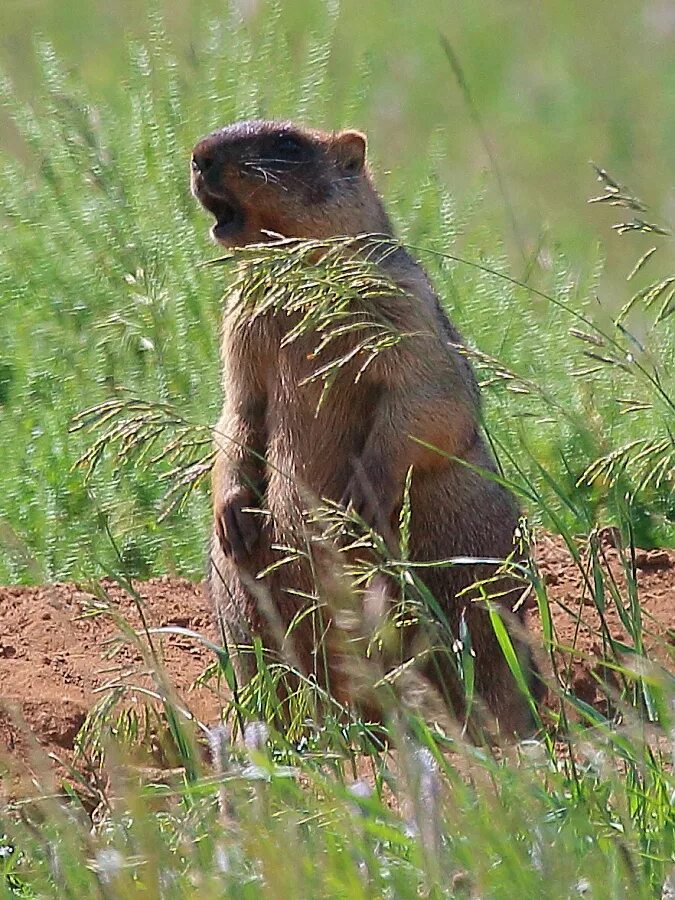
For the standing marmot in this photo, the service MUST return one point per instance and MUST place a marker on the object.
(277, 446)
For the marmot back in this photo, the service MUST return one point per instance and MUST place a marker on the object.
(414, 408)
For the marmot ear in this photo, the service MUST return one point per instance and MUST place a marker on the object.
(350, 149)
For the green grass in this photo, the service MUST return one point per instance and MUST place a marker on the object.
(104, 292)
(106, 300)
(338, 809)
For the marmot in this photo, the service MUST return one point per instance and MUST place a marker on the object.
(275, 448)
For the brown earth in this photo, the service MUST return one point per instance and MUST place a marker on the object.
(53, 668)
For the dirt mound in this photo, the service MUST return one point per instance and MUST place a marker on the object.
(578, 625)
(57, 658)
(53, 650)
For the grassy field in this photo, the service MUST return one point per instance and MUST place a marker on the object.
(105, 298)
(103, 289)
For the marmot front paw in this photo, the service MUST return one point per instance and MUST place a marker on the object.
(237, 523)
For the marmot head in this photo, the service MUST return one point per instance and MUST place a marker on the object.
(261, 179)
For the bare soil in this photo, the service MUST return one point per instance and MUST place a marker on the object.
(53, 667)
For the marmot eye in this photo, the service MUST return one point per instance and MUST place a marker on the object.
(287, 146)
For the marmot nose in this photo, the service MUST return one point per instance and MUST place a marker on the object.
(202, 162)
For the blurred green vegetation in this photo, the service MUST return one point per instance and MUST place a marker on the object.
(102, 287)
(555, 85)
(104, 298)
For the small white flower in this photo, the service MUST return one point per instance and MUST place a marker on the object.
(109, 862)
(219, 745)
(360, 790)
(223, 860)
(255, 737)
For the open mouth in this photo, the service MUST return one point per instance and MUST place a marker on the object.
(228, 213)
(229, 221)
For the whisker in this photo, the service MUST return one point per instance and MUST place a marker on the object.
(266, 160)
(264, 174)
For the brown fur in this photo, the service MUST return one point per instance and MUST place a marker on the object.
(275, 452)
